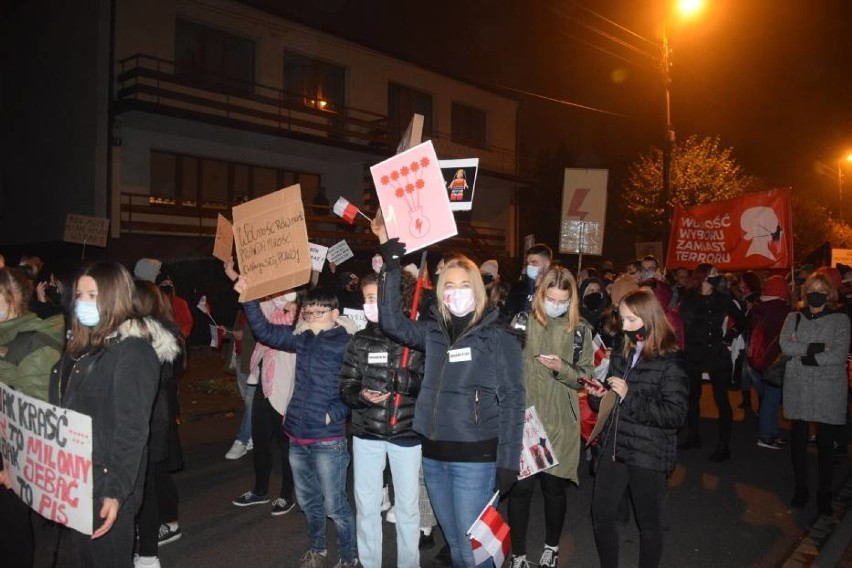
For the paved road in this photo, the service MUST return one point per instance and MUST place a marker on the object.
(734, 514)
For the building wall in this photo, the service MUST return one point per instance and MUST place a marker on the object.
(53, 142)
(149, 28)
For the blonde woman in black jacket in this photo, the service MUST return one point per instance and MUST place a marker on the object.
(640, 437)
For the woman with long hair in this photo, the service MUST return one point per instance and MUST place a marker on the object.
(557, 352)
(640, 436)
(704, 310)
(470, 410)
(110, 371)
(158, 514)
(816, 337)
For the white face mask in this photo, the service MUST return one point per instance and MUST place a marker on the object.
(371, 312)
(459, 301)
(532, 272)
(555, 310)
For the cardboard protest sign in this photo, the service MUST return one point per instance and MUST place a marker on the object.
(85, 230)
(47, 452)
(584, 197)
(340, 253)
(318, 255)
(752, 232)
(412, 135)
(272, 243)
(413, 199)
(537, 452)
(460, 180)
(357, 316)
(223, 245)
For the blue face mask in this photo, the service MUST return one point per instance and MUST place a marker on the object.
(532, 272)
(87, 313)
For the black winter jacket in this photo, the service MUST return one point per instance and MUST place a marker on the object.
(703, 318)
(373, 362)
(472, 400)
(642, 430)
(115, 386)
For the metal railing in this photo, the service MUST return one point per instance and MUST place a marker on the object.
(157, 82)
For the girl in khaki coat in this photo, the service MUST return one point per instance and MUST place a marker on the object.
(557, 352)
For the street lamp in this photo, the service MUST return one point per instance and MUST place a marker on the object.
(848, 159)
(685, 9)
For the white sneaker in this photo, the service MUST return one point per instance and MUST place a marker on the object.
(250, 445)
(386, 503)
(238, 450)
(390, 516)
(145, 561)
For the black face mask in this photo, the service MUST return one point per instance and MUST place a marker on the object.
(487, 279)
(817, 299)
(167, 290)
(714, 280)
(54, 296)
(636, 335)
(593, 301)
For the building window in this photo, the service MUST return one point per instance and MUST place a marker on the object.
(403, 102)
(468, 125)
(313, 83)
(213, 58)
(189, 180)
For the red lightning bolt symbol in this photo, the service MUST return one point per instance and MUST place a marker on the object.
(576, 202)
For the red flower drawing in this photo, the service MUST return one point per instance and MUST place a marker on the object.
(399, 192)
(409, 188)
(404, 170)
(385, 180)
(420, 184)
(424, 162)
(394, 175)
(415, 166)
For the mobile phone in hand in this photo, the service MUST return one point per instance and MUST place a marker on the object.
(594, 384)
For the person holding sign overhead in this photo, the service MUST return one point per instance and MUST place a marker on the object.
(470, 410)
(639, 443)
(110, 371)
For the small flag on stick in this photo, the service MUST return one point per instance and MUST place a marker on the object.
(347, 211)
(204, 306)
(489, 535)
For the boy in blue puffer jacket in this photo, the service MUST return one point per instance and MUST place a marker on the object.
(315, 421)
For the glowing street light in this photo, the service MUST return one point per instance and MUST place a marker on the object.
(689, 8)
(843, 159)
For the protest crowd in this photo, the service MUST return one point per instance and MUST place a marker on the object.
(450, 388)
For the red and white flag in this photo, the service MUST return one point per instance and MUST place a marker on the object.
(217, 336)
(345, 210)
(601, 357)
(489, 535)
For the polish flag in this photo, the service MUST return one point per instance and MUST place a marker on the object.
(601, 358)
(489, 535)
(204, 306)
(345, 210)
(217, 336)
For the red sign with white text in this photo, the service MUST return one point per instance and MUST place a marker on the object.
(752, 232)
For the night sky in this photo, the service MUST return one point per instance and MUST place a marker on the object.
(772, 78)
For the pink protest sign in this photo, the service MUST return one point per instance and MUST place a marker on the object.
(413, 198)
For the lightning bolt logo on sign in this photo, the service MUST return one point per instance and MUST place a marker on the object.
(584, 195)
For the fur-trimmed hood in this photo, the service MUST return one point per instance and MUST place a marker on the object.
(161, 339)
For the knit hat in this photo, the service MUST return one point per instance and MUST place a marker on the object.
(147, 269)
(833, 275)
(776, 286)
(490, 267)
(621, 288)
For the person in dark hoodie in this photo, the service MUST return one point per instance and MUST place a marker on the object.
(110, 371)
(381, 392)
(593, 301)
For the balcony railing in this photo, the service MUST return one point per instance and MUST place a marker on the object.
(151, 81)
(145, 214)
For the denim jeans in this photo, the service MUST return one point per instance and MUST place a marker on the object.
(459, 491)
(770, 404)
(319, 470)
(370, 457)
(247, 392)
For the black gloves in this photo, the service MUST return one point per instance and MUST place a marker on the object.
(730, 336)
(506, 479)
(401, 380)
(392, 252)
(814, 348)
